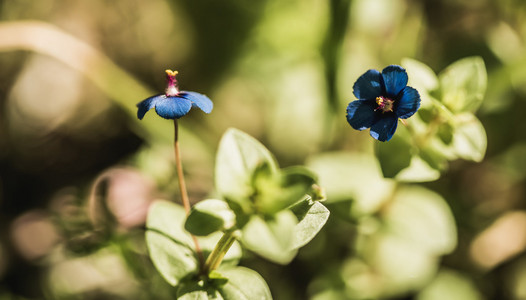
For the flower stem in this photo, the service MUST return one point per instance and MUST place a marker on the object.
(182, 188)
(216, 257)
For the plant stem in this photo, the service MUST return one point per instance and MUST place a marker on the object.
(182, 188)
(216, 257)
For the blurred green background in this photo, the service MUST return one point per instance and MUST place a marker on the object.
(72, 71)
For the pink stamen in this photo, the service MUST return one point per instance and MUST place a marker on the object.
(171, 86)
(384, 104)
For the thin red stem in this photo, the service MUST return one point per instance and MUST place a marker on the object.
(184, 193)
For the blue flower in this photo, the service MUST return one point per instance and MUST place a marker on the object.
(174, 104)
(383, 98)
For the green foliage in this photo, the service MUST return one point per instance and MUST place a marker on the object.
(261, 195)
(236, 283)
(172, 249)
(273, 209)
(209, 216)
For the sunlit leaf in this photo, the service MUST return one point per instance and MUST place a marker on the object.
(172, 249)
(272, 239)
(418, 171)
(278, 191)
(463, 84)
(173, 260)
(450, 285)
(243, 284)
(352, 176)
(423, 218)
(469, 138)
(238, 157)
(420, 75)
(312, 216)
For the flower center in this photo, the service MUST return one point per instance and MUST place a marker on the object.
(384, 104)
(171, 86)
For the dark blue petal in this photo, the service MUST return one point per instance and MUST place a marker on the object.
(395, 79)
(361, 114)
(198, 100)
(368, 86)
(384, 128)
(147, 104)
(172, 107)
(408, 103)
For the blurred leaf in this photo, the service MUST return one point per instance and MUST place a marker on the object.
(463, 84)
(450, 285)
(469, 138)
(445, 133)
(400, 251)
(433, 157)
(209, 216)
(243, 284)
(353, 176)
(420, 75)
(272, 239)
(238, 157)
(274, 193)
(423, 218)
(395, 155)
(312, 216)
(418, 171)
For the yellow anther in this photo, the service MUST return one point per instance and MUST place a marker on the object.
(170, 72)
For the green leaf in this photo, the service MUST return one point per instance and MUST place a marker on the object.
(420, 75)
(274, 193)
(168, 218)
(272, 239)
(233, 283)
(418, 171)
(469, 138)
(199, 290)
(173, 260)
(209, 216)
(169, 246)
(463, 84)
(312, 216)
(451, 285)
(352, 176)
(395, 155)
(422, 218)
(445, 133)
(243, 284)
(238, 157)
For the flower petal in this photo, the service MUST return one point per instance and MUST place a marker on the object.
(147, 104)
(395, 79)
(384, 128)
(368, 86)
(361, 114)
(408, 103)
(172, 107)
(198, 100)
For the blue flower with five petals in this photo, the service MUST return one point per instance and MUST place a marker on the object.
(174, 104)
(383, 98)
